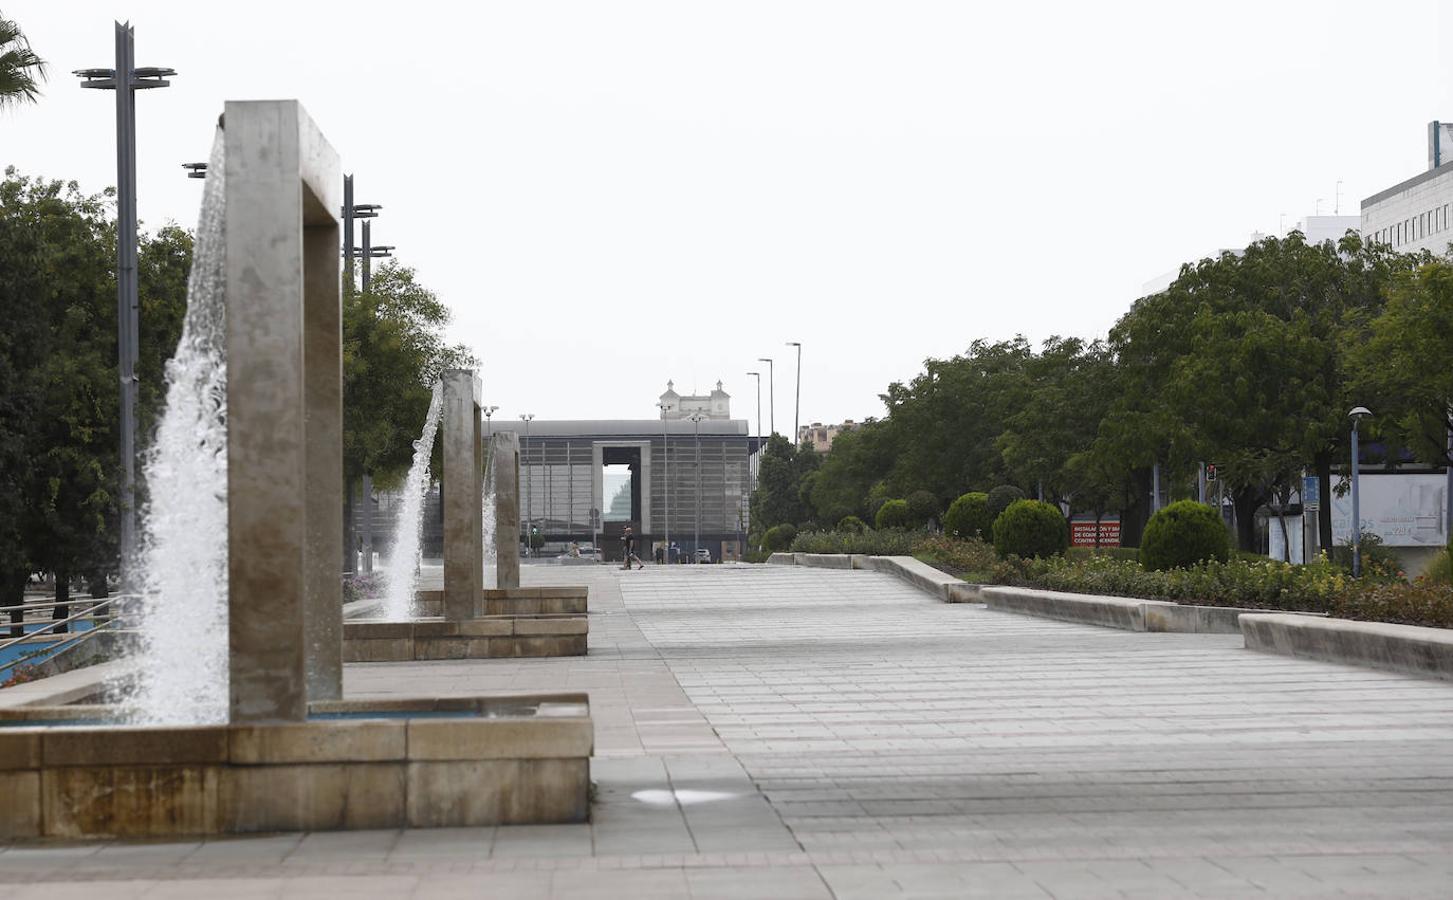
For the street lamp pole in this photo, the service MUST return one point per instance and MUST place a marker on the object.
(529, 532)
(1356, 415)
(665, 488)
(488, 411)
(696, 418)
(125, 79)
(758, 376)
(797, 404)
(771, 395)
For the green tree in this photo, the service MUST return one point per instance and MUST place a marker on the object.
(1070, 392)
(859, 459)
(58, 359)
(1241, 361)
(393, 352)
(21, 70)
(784, 485)
(1397, 371)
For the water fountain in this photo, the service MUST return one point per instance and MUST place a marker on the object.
(465, 620)
(401, 569)
(290, 754)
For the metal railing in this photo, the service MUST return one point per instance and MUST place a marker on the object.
(108, 623)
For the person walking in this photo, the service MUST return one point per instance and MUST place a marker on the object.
(629, 539)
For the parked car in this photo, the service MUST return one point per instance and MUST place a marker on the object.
(703, 555)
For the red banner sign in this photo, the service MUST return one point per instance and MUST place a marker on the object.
(1082, 533)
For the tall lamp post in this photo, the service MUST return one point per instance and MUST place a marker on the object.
(1357, 414)
(797, 403)
(758, 376)
(488, 411)
(771, 395)
(665, 488)
(125, 79)
(696, 418)
(529, 532)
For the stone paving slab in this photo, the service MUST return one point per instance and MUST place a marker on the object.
(794, 732)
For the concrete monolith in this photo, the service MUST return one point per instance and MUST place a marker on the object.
(505, 451)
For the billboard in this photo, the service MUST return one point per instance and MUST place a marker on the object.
(1082, 532)
(1403, 510)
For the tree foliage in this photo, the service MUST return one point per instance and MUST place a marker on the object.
(21, 70)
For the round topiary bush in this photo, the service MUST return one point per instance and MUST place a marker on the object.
(1000, 498)
(968, 517)
(852, 524)
(779, 537)
(1183, 534)
(893, 514)
(1031, 528)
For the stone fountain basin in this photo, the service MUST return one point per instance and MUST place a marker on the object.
(354, 764)
(485, 637)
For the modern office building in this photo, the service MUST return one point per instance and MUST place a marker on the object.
(1414, 215)
(672, 477)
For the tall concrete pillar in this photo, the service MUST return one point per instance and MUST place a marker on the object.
(505, 453)
(284, 411)
(463, 494)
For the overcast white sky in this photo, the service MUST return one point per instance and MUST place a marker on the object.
(611, 194)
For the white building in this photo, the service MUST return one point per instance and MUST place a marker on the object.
(1414, 215)
(716, 405)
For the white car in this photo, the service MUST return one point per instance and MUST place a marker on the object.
(703, 555)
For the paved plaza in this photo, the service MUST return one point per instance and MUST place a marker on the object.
(787, 733)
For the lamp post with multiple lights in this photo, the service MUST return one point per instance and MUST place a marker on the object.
(696, 418)
(125, 79)
(665, 487)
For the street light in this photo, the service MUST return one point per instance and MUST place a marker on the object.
(1357, 414)
(796, 404)
(488, 411)
(771, 395)
(529, 532)
(665, 487)
(125, 79)
(352, 211)
(195, 170)
(751, 457)
(696, 418)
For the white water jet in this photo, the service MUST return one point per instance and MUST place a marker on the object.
(402, 565)
(182, 570)
(491, 577)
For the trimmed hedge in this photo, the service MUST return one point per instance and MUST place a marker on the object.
(852, 524)
(893, 514)
(893, 542)
(1183, 534)
(968, 517)
(1031, 528)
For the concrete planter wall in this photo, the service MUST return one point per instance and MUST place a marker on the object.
(482, 762)
(1379, 645)
(493, 637)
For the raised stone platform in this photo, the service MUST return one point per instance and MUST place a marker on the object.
(353, 765)
(486, 637)
(553, 600)
(1379, 645)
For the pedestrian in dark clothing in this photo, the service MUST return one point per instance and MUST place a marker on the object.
(629, 540)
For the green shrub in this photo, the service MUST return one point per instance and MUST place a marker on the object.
(892, 514)
(971, 559)
(968, 517)
(852, 524)
(779, 537)
(1000, 497)
(1438, 570)
(1031, 528)
(1183, 534)
(922, 506)
(1424, 602)
(870, 542)
(1378, 562)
